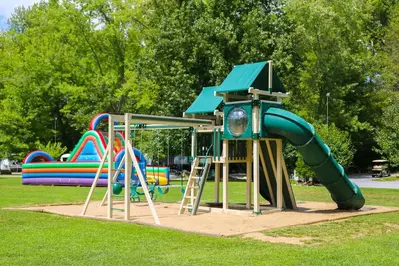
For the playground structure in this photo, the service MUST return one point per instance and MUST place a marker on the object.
(247, 122)
(80, 168)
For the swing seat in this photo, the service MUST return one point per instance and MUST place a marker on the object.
(135, 194)
(163, 192)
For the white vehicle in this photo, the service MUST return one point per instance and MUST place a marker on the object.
(8, 166)
(5, 166)
(64, 157)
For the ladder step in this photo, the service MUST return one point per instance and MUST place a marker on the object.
(118, 196)
(118, 209)
(190, 197)
(199, 167)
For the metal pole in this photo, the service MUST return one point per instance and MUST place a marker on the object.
(327, 95)
(55, 129)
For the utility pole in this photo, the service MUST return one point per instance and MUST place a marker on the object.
(55, 129)
(327, 95)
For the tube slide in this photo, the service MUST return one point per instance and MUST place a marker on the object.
(316, 154)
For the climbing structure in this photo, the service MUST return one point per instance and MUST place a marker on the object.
(251, 123)
(245, 123)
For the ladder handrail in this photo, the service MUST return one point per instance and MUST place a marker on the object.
(201, 184)
(192, 185)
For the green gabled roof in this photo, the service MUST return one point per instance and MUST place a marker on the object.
(206, 102)
(255, 75)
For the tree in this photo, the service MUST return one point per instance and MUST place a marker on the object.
(333, 56)
(196, 44)
(68, 61)
(388, 134)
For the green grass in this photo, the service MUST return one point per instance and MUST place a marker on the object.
(28, 238)
(343, 231)
(387, 179)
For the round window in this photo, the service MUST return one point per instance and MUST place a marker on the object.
(237, 121)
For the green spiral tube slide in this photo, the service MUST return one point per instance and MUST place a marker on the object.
(316, 154)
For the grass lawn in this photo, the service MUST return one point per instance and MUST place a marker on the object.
(387, 179)
(44, 239)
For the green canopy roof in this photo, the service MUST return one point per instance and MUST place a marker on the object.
(206, 102)
(255, 75)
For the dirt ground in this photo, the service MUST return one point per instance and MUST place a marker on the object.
(213, 221)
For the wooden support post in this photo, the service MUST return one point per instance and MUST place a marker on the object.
(194, 143)
(225, 174)
(271, 156)
(193, 155)
(128, 168)
(95, 181)
(255, 131)
(225, 153)
(249, 173)
(269, 186)
(279, 176)
(287, 180)
(129, 148)
(113, 180)
(111, 139)
(217, 181)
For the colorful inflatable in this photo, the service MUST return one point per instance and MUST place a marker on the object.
(39, 168)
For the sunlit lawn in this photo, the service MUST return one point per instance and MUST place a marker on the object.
(28, 238)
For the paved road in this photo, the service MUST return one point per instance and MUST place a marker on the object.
(367, 181)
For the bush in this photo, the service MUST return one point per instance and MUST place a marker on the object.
(55, 149)
(341, 148)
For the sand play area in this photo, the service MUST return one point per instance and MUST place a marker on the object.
(213, 221)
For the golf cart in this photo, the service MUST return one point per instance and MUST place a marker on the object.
(380, 168)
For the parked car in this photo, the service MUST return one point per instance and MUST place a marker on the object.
(10, 166)
(380, 168)
(5, 166)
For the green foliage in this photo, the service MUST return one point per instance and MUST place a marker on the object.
(387, 135)
(338, 141)
(68, 60)
(55, 149)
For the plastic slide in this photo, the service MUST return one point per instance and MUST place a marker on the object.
(316, 154)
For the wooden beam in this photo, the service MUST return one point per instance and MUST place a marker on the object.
(274, 94)
(287, 180)
(271, 156)
(119, 170)
(249, 173)
(95, 181)
(279, 176)
(111, 139)
(255, 156)
(267, 177)
(128, 168)
(129, 148)
(168, 120)
(225, 174)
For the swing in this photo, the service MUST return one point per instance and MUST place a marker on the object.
(183, 189)
(135, 194)
(159, 188)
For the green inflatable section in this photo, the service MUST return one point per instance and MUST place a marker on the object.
(63, 165)
(316, 154)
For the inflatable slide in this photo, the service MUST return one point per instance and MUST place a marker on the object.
(39, 168)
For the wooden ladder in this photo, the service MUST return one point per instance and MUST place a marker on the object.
(195, 185)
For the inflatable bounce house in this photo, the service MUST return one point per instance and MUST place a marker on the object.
(39, 168)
